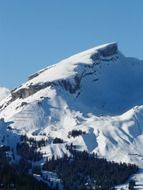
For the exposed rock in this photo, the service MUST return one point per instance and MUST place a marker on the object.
(106, 53)
(25, 92)
(69, 86)
(109, 50)
(33, 76)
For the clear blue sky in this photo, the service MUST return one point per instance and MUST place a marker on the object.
(37, 33)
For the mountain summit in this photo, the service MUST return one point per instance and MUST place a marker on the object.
(102, 80)
(69, 69)
(93, 100)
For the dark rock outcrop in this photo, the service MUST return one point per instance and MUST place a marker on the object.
(109, 50)
(105, 52)
(69, 86)
(30, 90)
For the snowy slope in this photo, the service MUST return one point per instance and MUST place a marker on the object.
(98, 91)
(138, 178)
(4, 92)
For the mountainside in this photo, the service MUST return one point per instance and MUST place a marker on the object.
(93, 100)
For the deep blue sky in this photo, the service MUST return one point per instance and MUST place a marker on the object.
(37, 33)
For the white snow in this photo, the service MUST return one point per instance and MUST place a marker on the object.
(65, 68)
(108, 106)
(4, 92)
(138, 178)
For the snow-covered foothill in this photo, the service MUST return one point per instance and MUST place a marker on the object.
(4, 92)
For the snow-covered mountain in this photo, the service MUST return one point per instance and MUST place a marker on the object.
(4, 92)
(98, 92)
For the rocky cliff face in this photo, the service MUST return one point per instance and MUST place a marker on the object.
(110, 50)
(30, 90)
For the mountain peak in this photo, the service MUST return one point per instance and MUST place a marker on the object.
(104, 50)
(108, 49)
(70, 70)
(98, 91)
(87, 57)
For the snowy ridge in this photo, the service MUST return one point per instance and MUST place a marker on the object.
(71, 69)
(67, 67)
(98, 91)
